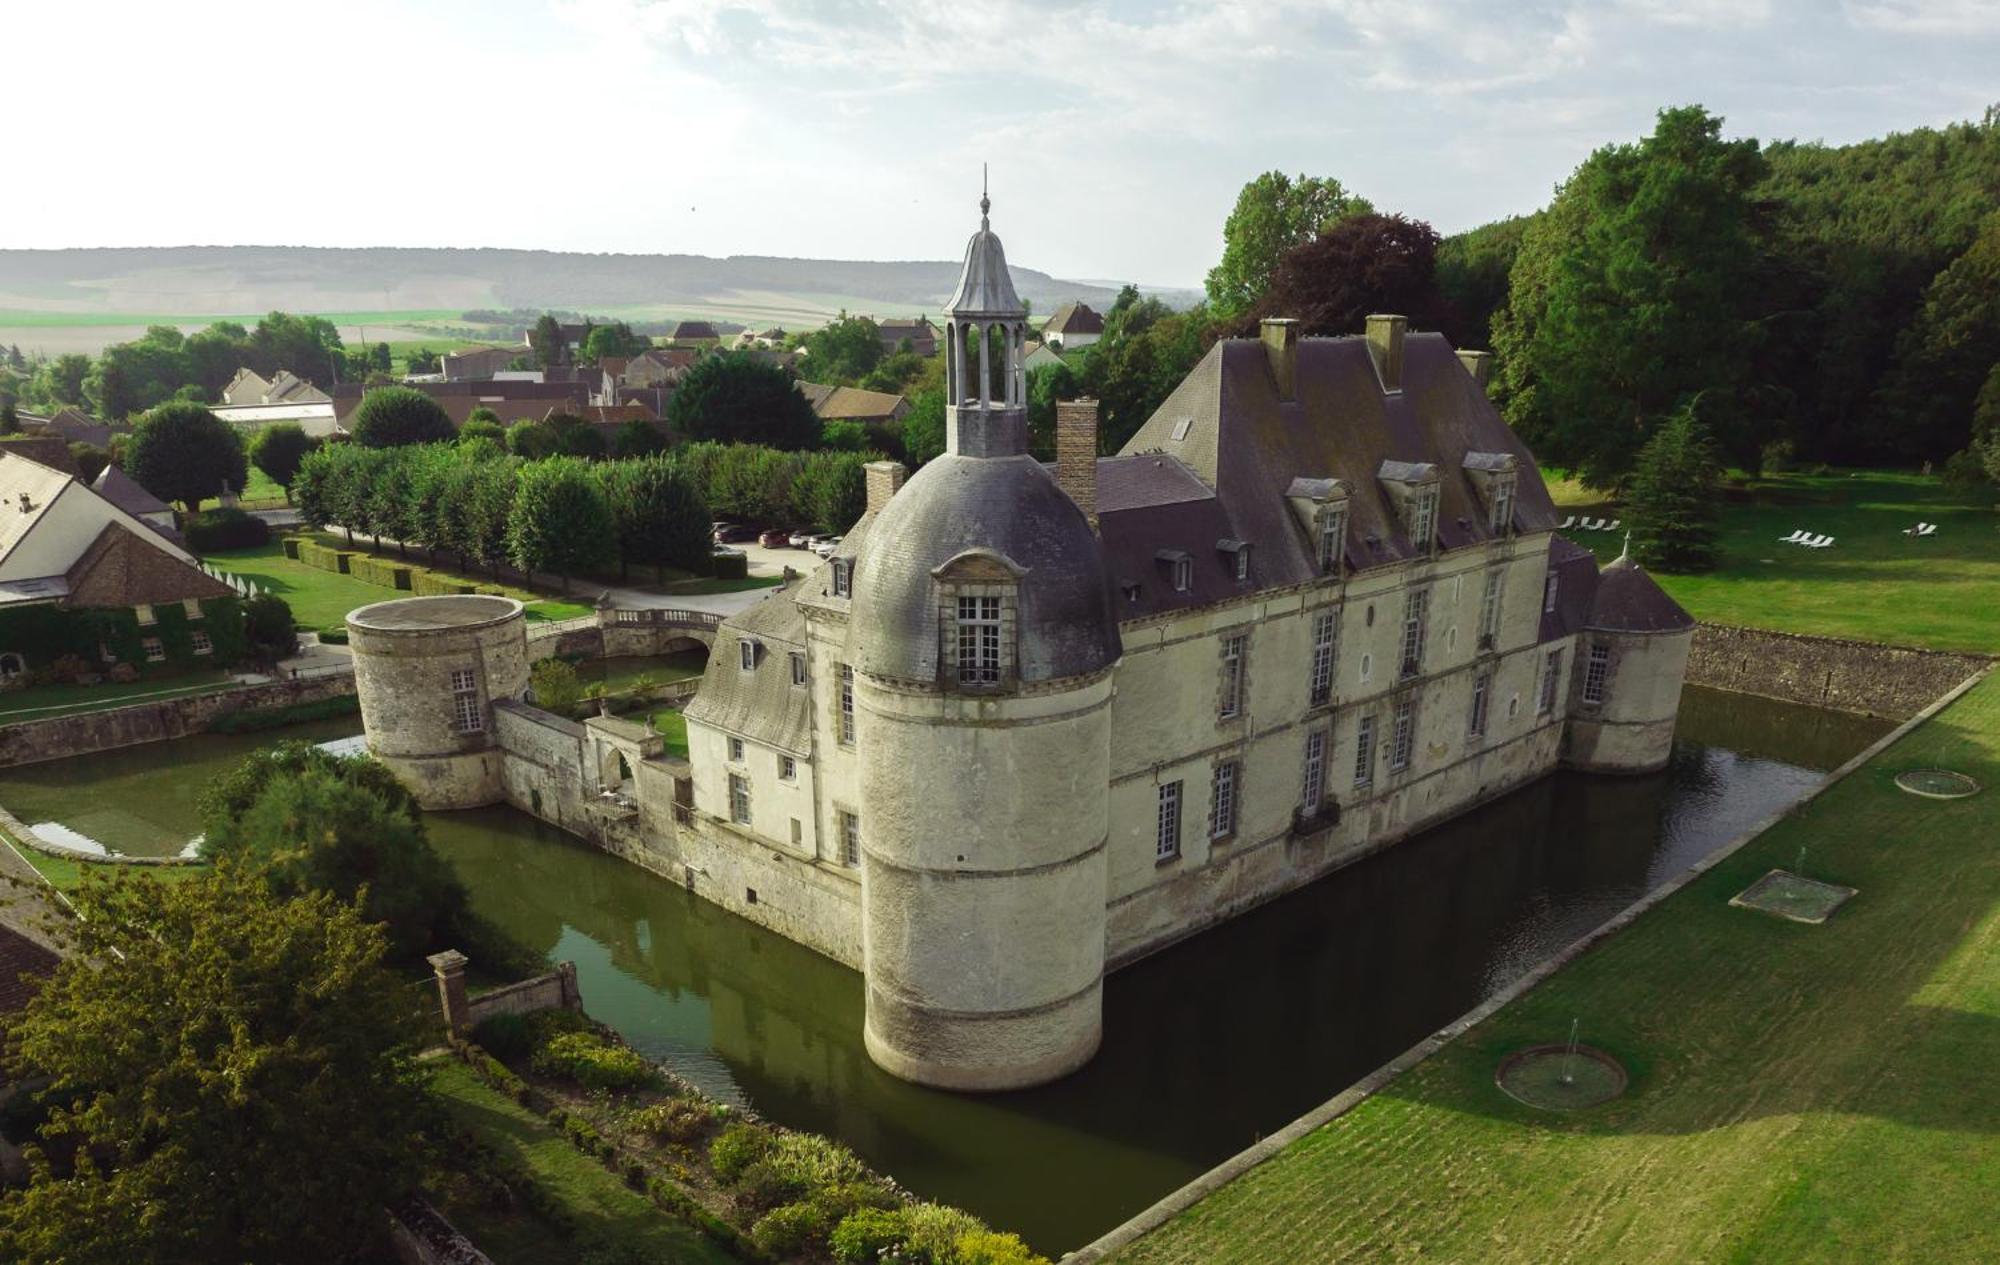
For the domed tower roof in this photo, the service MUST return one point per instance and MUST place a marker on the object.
(983, 517)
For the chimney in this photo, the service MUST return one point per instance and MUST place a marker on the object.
(1076, 453)
(1281, 343)
(1479, 364)
(884, 479)
(1385, 344)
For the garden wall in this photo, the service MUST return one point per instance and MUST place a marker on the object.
(59, 737)
(1862, 677)
(556, 990)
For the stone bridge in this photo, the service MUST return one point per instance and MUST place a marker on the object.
(616, 632)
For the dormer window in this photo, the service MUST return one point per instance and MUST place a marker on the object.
(1494, 475)
(746, 654)
(1320, 507)
(798, 668)
(1502, 521)
(1180, 567)
(1423, 518)
(1238, 554)
(843, 577)
(1131, 592)
(1413, 487)
(978, 592)
(1332, 539)
(979, 641)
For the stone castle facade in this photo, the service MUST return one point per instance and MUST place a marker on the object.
(1031, 723)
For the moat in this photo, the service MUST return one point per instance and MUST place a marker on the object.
(1208, 1044)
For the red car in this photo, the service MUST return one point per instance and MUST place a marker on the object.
(775, 539)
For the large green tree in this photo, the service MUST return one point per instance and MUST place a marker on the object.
(1946, 353)
(1630, 298)
(660, 516)
(309, 346)
(735, 398)
(546, 339)
(182, 452)
(615, 339)
(560, 520)
(391, 416)
(243, 1077)
(278, 449)
(1273, 213)
(1362, 264)
(1675, 495)
(129, 378)
(215, 354)
(843, 351)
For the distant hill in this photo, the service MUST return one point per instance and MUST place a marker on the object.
(213, 280)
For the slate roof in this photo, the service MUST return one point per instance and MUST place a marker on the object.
(1073, 318)
(690, 331)
(120, 569)
(122, 490)
(761, 704)
(1629, 600)
(1575, 572)
(851, 403)
(76, 427)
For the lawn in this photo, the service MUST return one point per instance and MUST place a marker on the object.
(38, 702)
(258, 492)
(1797, 1093)
(1873, 584)
(320, 599)
(611, 1219)
(66, 875)
(674, 726)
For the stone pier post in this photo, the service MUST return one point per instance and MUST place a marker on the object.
(450, 968)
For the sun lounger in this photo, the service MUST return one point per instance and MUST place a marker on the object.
(1590, 524)
(1568, 523)
(1824, 542)
(1613, 524)
(1927, 529)
(1796, 538)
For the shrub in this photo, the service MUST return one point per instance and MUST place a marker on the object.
(506, 1037)
(865, 1235)
(988, 1247)
(790, 1230)
(592, 1062)
(555, 685)
(267, 622)
(733, 565)
(736, 1149)
(815, 1162)
(682, 1120)
(933, 1230)
(225, 528)
(765, 1185)
(393, 416)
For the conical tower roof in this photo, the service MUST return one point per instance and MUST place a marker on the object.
(984, 286)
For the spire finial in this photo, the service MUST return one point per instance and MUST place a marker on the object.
(985, 203)
(1626, 552)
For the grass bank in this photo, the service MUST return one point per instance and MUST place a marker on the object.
(1797, 1092)
(1873, 584)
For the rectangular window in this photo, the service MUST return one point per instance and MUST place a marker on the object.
(191, 607)
(1416, 613)
(798, 668)
(201, 643)
(1595, 672)
(979, 640)
(1222, 799)
(1549, 595)
(156, 650)
(1167, 840)
(1551, 670)
(468, 717)
(1332, 539)
(739, 799)
(840, 578)
(1502, 521)
(1243, 562)
(850, 839)
(1423, 518)
(746, 654)
(1183, 574)
(1404, 737)
(1315, 787)
(788, 768)
(1489, 611)
(1482, 689)
(846, 705)
(736, 749)
(1232, 677)
(1324, 632)
(1364, 751)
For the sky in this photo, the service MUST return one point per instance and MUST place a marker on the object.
(1117, 133)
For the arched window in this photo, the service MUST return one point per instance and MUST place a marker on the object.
(978, 595)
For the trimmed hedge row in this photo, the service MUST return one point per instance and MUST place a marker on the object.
(313, 554)
(431, 584)
(378, 571)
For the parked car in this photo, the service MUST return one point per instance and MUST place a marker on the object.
(801, 538)
(732, 533)
(826, 545)
(776, 538)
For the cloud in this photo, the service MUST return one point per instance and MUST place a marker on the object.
(1927, 17)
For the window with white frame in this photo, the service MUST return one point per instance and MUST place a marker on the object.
(1325, 630)
(1332, 540)
(736, 749)
(1230, 700)
(199, 640)
(1167, 827)
(1489, 611)
(788, 768)
(468, 717)
(842, 577)
(798, 668)
(978, 640)
(1596, 672)
(1403, 737)
(1315, 783)
(1482, 689)
(1549, 595)
(746, 654)
(1364, 751)
(1423, 517)
(1416, 614)
(145, 614)
(191, 607)
(739, 799)
(155, 649)
(846, 720)
(1502, 520)
(1224, 786)
(1243, 562)
(1552, 668)
(1183, 574)
(850, 839)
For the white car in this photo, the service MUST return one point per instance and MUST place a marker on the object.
(801, 538)
(825, 546)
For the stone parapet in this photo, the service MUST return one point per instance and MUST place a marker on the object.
(1862, 677)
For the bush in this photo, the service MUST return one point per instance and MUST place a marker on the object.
(393, 416)
(865, 1235)
(267, 622)
(555, 686)
(591, 1061)
(818, 1163)
(225, 528)
(738, 1147)
(933, 1230)
(733, 565)
(683, 1120)
(333, 636)
(988, 1247)
(764, 1185)
(790, 1230)
(506, 1037)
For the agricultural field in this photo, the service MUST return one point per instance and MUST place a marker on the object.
(1797, 1092)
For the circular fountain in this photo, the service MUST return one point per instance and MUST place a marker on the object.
(1564, 1077)
(1937, 783)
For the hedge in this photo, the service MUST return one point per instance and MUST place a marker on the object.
(225, 528)
(378, 571)
(734, 565)
(318, 555)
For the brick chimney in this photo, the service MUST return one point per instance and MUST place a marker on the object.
(1280, 335)
(1479, 364)
(1385, 344)
(1076, 453)
(884, 478)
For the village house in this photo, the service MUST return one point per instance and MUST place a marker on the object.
(919, 333)
(1073, 325)
(475, 363)
(284, 387)
(852, 404)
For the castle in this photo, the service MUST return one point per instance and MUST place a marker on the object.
(1029, 724)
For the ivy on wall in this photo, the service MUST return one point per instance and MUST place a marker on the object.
(43, 634)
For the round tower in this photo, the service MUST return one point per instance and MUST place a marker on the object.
(983, 643)
(427, 671)
(1630, 661)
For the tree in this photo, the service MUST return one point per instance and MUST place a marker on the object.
(391, 416)
(128, 378)
(1637, 301)
(60, 380)
(843, 435)
(493, 432)
(560, 520)
(278, 449)
(638, 438)
(424, 360)
(615, 339)
(182, 452)
(531, 440)
(659, 514)
(555, 685)
(1472, 271)
(252, 1088)
(309, 346)
(1675, 490)
(1273, 213)
(736, 399)
(215, 354)
(1365, 263)
(831, 488)
(1048, 384)
(844, 350)
(1947, 352)
(10, 417)
(547, 341)
(575, 437)
(923, 426)
(267, 622)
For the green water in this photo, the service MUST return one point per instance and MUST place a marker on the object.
(626, 671)
(1208, 1045)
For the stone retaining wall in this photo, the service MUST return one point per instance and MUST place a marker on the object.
(556, 990)
(1862, 677)
(59, 737)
